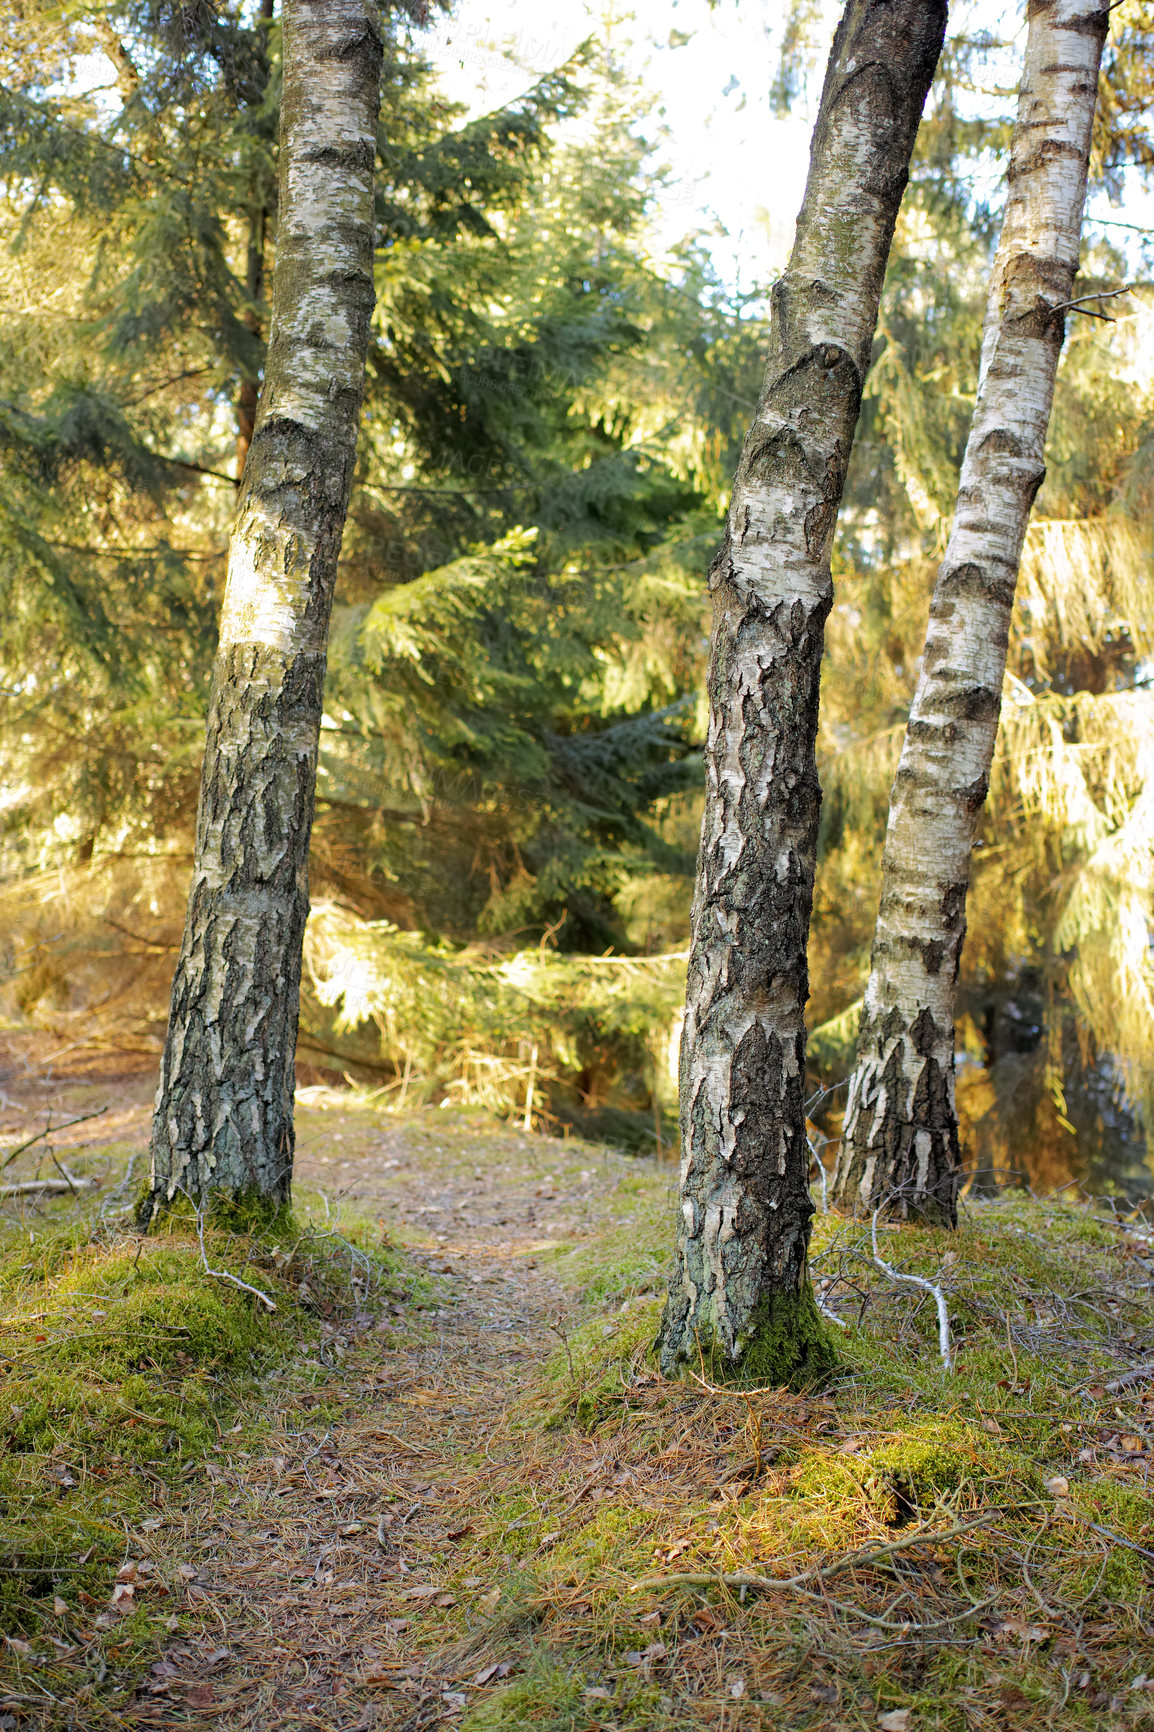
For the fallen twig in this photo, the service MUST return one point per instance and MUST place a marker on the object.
(223, 1274)
(1140, 1374)
(391, 1437)
(47, 1131)
(927, 1286)
(118, 1191)
(55, 1187)
(72, 1183)
(826, 1312)
(898, 1623)
(558, 1329)
(819, 1572)
(1120, 1540)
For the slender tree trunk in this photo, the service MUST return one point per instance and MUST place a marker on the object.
(900, 1143)
(258, 221)
(740, 1294)
(224, 1107)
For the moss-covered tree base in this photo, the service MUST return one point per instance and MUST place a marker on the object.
(248, 1211)
(786, 1346)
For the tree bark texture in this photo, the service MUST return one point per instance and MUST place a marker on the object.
(740, 1295)
(259, 217)
(900, 1140)
(248, 395)
(224, 1107)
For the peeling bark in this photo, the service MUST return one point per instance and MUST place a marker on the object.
(740, 1295)
(900, 1144)
(224, 1106)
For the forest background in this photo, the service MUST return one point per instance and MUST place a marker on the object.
(557, 389)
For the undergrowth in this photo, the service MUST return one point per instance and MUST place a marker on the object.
(1030, 1601)
(123, 1363)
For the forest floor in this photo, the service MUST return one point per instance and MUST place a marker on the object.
(458, 1494)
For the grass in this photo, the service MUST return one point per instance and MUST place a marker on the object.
(578, 1538)
(1041, 1614)
(124, 1367)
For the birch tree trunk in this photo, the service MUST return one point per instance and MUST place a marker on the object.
(900, 1140)
(740, 1294)
(224, 1107)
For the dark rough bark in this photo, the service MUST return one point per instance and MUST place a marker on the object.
(740, 1295)
(259, 217)
(224, 1107)
(248, 394)
(900, 1146)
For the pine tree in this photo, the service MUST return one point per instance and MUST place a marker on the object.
(134, 317)
(739, 1294)
(900, 1146)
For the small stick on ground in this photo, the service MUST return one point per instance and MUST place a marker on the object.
(223, 1274)
(64, 1174)
(558, 1329)
(927, 1286)
(38, 1187)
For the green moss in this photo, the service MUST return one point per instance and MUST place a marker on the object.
(923, 1466)
(1122, 1509)
(549, 1698)
(787, 1347)
(243, 1212)
(251, 1212)
(589, 1376)
(1123, 1578)
(120, 1364)
(828, 1479)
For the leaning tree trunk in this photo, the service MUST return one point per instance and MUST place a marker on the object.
(740, 1294)
(224, 1107)
(900, 1141)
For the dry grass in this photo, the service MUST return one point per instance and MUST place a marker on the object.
(439, 1514)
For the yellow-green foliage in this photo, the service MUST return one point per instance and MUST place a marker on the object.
(463, 1022)
(122, 1360)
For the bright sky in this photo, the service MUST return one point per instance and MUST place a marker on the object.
(738, 169)
(708, 71)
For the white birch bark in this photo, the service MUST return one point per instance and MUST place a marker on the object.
(224, 1106)
(900, 1141)
(740, 1293)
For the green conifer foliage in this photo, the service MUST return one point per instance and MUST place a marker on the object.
(1055, 995)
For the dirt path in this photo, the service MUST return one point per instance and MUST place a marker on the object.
(395, 1535)
(329, 1561)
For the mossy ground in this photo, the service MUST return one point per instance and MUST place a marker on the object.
(477, 1516)
(1041, 1614)
(123, 1365)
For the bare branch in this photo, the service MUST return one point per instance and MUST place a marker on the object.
(917, 1281)
(223, 1274)
(47, 1131)
(819, 1573)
